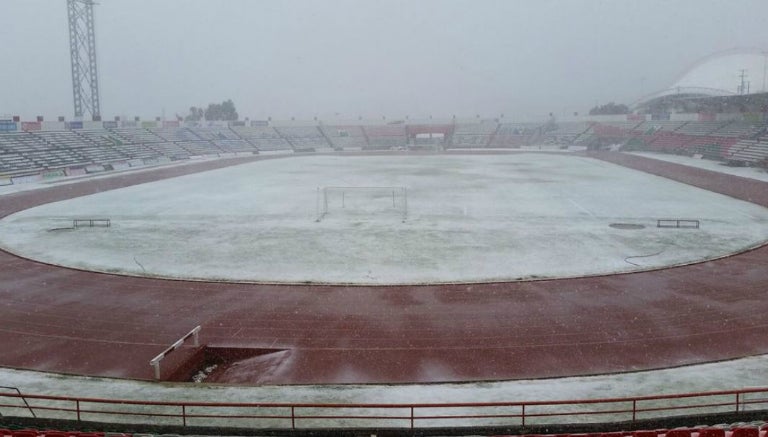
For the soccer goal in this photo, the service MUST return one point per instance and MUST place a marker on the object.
(362, 202)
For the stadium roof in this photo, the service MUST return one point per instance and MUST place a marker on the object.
(720, 75)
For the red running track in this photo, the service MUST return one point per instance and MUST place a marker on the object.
(63, 320)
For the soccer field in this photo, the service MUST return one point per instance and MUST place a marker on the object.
(468, 218)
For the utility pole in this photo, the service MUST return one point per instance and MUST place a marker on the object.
(743, 86)
(82, 52)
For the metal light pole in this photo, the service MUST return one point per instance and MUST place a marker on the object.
(82, 52)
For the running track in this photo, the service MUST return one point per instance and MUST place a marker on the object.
(64, 320)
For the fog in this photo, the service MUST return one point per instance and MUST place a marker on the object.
(344, 59)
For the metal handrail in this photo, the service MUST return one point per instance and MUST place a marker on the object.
(409, 414)
(22, 398)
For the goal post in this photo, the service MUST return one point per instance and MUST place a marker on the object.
(362, 201)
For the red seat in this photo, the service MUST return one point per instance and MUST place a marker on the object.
(711, 432)
(679, 433)
(24, 433)
(644, 434)
(745, 432)
(612, 434)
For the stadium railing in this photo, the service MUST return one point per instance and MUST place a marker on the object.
(626, 410)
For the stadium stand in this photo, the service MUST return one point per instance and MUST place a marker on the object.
(515, 134)
(739, 130)
(565, 133)
(136, 135)
(28, 153)
(384, 137)
(345, 137)
(214, 133)
(701, 127)
(304, 138)
(199, 148)
(749, 152)
(48, 150)
(235, 146)
(171, 150)
(87, 148)
(175, 134)
(473, 135)
(265, 138)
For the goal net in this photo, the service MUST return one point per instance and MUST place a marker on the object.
(362, 202)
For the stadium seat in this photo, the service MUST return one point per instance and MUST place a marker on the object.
(678, 433)
(745, 432)
(645, 434)
(712, 432)
(612, 434)
(24, 433)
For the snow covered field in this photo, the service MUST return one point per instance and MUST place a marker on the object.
(469, 218)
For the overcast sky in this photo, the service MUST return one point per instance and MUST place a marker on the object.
(284, 58)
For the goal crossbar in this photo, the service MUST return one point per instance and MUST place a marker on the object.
(398, 195)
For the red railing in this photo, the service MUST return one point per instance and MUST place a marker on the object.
(308, 415)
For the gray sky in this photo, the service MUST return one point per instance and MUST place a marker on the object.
(371, 58)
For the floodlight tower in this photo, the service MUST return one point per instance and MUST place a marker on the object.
(82, 52)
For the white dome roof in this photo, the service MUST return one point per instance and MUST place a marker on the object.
(721, 72)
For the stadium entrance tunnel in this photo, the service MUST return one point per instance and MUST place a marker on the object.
(224, 364)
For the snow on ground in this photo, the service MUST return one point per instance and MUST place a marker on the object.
(727, 375)
(63, 180)
(745, 172)
(469, 218)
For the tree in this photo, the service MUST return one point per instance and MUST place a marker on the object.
(609, 109)
(224, 111)
(195, 114)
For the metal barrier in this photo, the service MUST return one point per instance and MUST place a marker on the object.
(22, 398)
(677, 223)
(407, 416)
(92, 223)
(155, 362)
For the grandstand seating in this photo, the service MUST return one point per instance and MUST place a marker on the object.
(136, 135)
(701, 127)
(170, 150)
(473, 135)
(749, 151)
(345, 137)
(33, 152)
(738, 129)
(214, 133)
(234, 146)
(303, 138)
(650, 127)
(199, 148)
(175, 134)
(90, 147)
(515, 134)
(385, 136)
(263, 137)
(565, 133)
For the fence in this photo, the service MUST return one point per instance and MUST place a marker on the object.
(677, 223)
(406, 416)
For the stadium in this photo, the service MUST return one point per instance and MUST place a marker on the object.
(370, 277)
